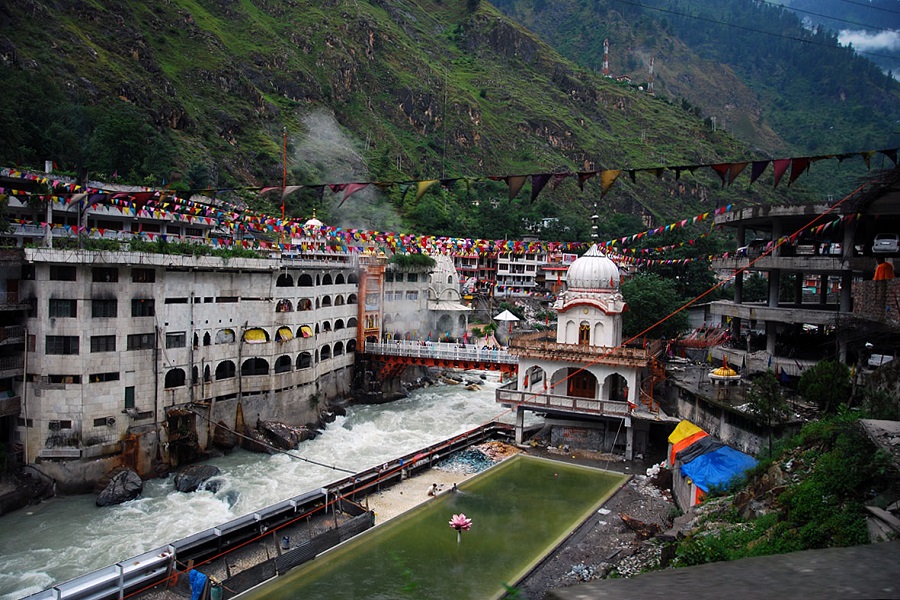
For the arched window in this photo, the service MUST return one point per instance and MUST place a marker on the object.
(284, 334)
(351, 299)
(207, 339)
(196, 340)
(284, 280)
(317, 303)
(351, 346)
(305, 280)
(317, 329)
(283, 364)
(584, 334)
(338, 348)
(449, 279)
(256, 335)
(326, 301)
(206, 376)
(326, 279)
(339, 279)
(304, 361)
(326, 326)
(174, 378)
(351, 278)
(284, 305)
(255, 366)
(338, 300)
(304, 304)
(195, 375)
(318, 280)
(325, 352)
(304, 331)
(225, 370)
(225, 336)
(339, 324)
(351, 322)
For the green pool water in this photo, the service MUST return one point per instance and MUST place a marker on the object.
(520, 510)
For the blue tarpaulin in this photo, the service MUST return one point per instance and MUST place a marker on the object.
(717, 468)
(198, 583)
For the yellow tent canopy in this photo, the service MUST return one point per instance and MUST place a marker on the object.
(256, 336)
(306, 331)
(683, 430)
(284, 334)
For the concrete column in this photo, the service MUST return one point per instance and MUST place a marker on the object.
(849, 238)
(846, 291)
(520, 425)
(741, 236)
(823, 289)
(777, 232)
(770, 337)
(774, 284)
(629, 439)
(738, 288)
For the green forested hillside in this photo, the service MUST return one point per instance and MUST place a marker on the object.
(205, 93)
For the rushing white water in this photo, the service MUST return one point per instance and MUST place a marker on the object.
(66, 537)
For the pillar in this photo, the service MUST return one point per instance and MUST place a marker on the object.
(629, 439)
(520, 425)
(823, 289)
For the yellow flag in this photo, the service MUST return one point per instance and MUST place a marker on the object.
(607, 178)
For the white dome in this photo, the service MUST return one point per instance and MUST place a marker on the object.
(593, 271)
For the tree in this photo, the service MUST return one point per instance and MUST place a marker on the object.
(827, 384)
(767, 402)
(651, 298)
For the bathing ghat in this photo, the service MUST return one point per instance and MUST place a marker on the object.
(256, 547)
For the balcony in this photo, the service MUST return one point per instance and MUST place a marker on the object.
(10, 406)
(562, 404)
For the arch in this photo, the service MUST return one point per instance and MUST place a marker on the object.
(326, 326)
(317, 329)
(535, 378)
(351, 278)
(351, 322)
(463, 325)
(318, 279)
(225, 336)
(351, 299)
(325, 353)
(255, 366)
(174, 378)
(207, 339)
(338, 300)
(326, 279)
(570, 381)
(305, 280)
(598, 333)
(444, 325)
(338, 324)
(571, 332)
(196, 339)
(304, 304)
(339, 279)
(256, 335)
(225, 370)
(615, 387)
(584, 334)
(351, 346)
(304, 360)
(284, 305)
(326, 301)
(206, 374)
(195, 375)
(449, 279)
(338, 348)
(283, 364)
(304, 331)
(318, 305)
(316, 357)
(284, 280)
(284, 334)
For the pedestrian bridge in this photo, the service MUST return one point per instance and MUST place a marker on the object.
(398, 354)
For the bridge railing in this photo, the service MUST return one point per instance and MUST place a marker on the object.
(440, 350)
(510, 396)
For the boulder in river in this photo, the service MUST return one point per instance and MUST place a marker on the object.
(194, 476)
(124, 486)
(224, 438)
(282, 435)
(256, 441)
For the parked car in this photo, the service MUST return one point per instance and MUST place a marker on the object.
(886, 243)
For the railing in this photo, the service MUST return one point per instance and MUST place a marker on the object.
(12, 363)
(440, 350)
(507, 395)
(541, 341)
(13, 332)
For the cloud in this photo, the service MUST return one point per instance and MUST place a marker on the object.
(869, 42)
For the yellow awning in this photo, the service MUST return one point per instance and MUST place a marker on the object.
(284, 334)
(306, 331)
(255, 336)
(684, 429)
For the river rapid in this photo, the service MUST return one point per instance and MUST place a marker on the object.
(65, 537)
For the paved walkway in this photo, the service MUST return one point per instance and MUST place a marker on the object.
(870, 571)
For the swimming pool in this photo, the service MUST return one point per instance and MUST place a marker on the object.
(520, 509)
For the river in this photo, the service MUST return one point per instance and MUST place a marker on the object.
(65, 537)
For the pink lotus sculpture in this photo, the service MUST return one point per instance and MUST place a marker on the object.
(460, 523)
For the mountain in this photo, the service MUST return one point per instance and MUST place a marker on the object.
(209, 93)
(752, 66)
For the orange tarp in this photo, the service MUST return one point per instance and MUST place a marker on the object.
(684, 443)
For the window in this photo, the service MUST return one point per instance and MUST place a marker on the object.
(103, 343)
(104, 308)
(98, 377)
(412, 277)
(129, 397)
(60, 307)
(176, 340)
(412, 295)
(176, 301)
(64, 379)
(143, 275)
(62, 273)
(61, 344)
(142, 307)
(140, 341)
(104, 274)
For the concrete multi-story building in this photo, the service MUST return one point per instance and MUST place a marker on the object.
(517, 274)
